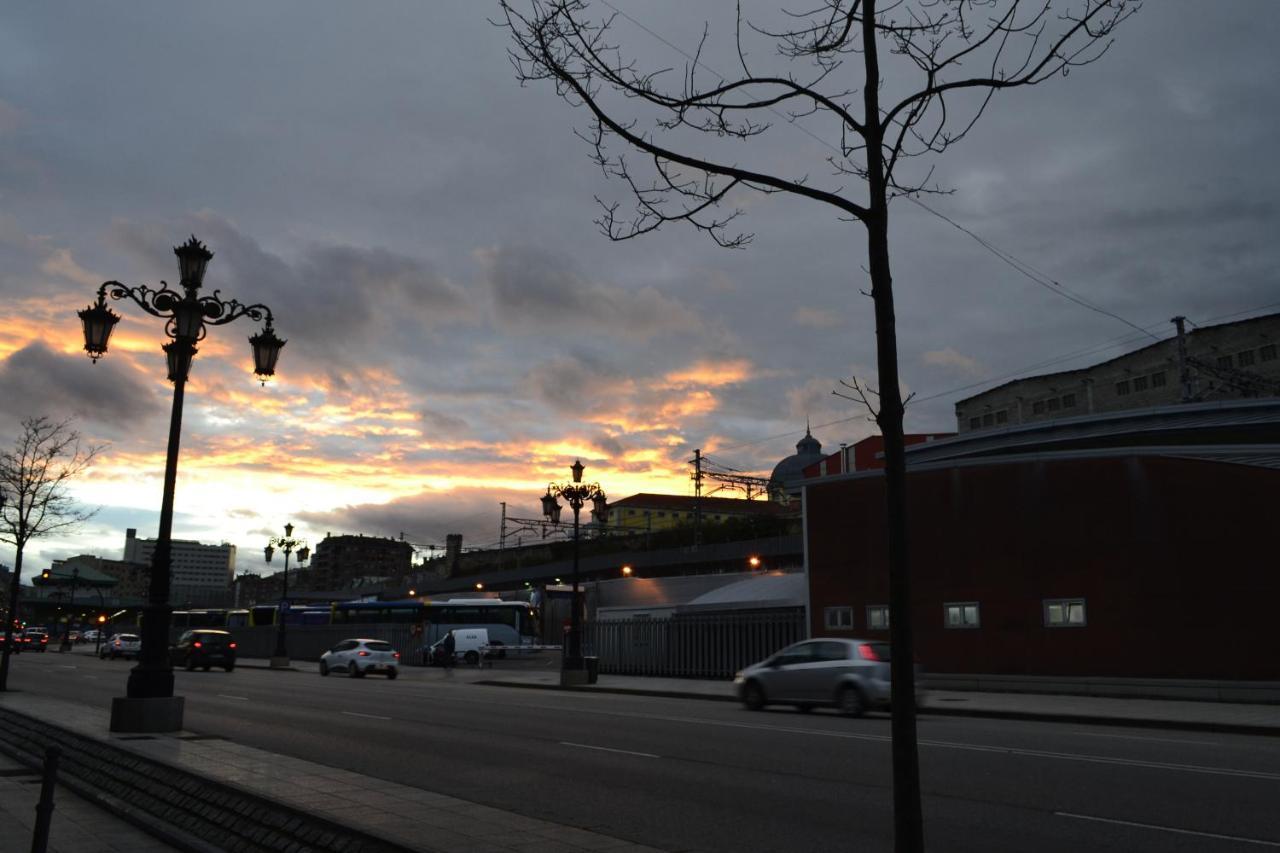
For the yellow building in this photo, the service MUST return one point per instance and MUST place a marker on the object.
(663, 512)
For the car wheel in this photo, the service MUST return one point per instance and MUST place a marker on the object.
(850, 702)
(353, 670)
(391, 674)
(804, 707)
(753, 696)
(190, 664)
(229, 667)
(472, 658)
(324, 668)
(207, 667)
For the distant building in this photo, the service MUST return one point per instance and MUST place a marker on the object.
(1223, 362)
(131, 578)
(785, 481)
(339, 560)
(865, 455)
(646, 511)
(200, 575)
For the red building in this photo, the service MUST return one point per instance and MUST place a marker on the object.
(1130, 545)
(865, 455)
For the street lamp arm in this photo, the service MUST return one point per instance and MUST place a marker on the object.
(164, 302)
(218, 312)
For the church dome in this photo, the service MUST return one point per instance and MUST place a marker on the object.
(808, 451)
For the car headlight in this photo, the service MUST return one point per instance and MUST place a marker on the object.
(737, 676)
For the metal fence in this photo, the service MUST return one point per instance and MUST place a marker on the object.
(702, 646)
(308, 642)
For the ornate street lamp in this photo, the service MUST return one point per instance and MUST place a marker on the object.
(150, 705)
(286, 543)
(577, 494)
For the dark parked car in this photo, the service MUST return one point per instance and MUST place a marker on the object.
(205, 648)
(35, 640)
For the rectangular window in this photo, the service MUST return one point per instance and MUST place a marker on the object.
(837, 618)
(1037, 408)
(1002, 416)
(1053, 403)
(961, 614)
(1064, 613)
(1245, 359)
(988, 419)
(878, 617)
(975, 423)
(1157, 380)
(662, 515)
(1224, 361)
(1122, 387)
(1068, 401)
(1267, 353)
(1139, 383)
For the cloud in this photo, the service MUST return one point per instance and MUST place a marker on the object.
(38, 381)
(535, 290)
(953, 362)
(816, 318)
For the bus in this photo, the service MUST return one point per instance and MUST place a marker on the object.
(511, 623)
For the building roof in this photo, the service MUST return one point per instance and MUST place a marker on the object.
(808, 451)
(1079, 371)
(686, 503)
(760, 592)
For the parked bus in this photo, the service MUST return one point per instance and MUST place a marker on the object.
(511, 623)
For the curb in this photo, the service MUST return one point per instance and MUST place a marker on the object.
(1048, 717)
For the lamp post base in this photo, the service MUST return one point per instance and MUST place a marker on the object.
(280, 662)
(163, 714)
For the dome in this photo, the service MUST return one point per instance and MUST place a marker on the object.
(808, 451)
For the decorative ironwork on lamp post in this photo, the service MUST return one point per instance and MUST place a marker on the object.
(286, 543)
(187, 316)
(577, 493)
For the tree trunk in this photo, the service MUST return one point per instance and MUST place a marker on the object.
(15, 590)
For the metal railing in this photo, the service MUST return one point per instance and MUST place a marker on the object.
(704, 646)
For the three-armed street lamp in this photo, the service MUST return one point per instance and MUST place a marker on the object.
(150, 705)
(286, 543)
(577, 494)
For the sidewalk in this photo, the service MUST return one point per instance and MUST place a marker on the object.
(77, 826)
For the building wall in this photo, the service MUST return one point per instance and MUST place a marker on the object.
(340, 559)
(1174, 558)
(678, 511)
(1140, 379)
(194, 565)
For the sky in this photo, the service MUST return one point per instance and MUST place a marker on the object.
(459, 331)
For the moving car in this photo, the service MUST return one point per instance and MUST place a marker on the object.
(121, 646)
(204, 648)
(850, 675)
(359, 657)
(35, 640)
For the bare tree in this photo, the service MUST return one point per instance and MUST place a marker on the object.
(888, 82)
(34, 476)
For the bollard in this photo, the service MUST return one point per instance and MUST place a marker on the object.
(44, 808)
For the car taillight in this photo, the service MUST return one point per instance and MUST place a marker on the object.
(44, 639)
(866, 652)
(364, 654)
(231, 645)
(196, 644)
(396, 655)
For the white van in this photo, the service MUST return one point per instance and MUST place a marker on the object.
(468, 644)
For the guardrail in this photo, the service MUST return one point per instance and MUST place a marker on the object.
(694, 646)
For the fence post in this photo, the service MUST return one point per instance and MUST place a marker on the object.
(44, 808)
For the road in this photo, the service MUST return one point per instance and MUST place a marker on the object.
(699, 775)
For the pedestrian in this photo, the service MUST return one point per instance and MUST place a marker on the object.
(449, 647)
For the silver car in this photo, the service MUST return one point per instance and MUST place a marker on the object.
(851, 675)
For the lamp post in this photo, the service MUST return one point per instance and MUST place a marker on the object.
(577, 493)
(150, 705)
(286, 543)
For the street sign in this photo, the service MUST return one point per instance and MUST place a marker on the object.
(284, 607)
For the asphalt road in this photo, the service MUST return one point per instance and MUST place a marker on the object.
(699, 775)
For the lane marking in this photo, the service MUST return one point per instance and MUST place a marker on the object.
(609, 749)
(89, 676)
(237, 698)
(1158, 828)
(1141, 737)
(366, 716)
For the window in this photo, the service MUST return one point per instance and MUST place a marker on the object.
(961, 614)
(1245, 359)
(831, 650)
(1224, 361)
(1122, 387)
(1037, 408)
(837, 618)
(1068, 401)
(662, 515)
(1267, 353)
(975, 423)
(988, 419)
(878, 617)
(1157, 380)
(1002, 416)
(1064, 613)
(1139, 383)
(1052, 404)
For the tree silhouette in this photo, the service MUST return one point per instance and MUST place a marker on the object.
(34, 476)
(889, 82)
